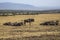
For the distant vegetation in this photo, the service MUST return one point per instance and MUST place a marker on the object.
(26, 12)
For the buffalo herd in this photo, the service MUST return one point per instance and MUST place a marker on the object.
(19, 23)
(30, 20)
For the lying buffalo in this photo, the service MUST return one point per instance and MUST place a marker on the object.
(51, 23)
(9, 23)
(17, 24)
(13, 24)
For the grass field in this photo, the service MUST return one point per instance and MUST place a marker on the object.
(30, 32)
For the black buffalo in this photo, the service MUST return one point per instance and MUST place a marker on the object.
(17, 24)
(13, 24)
(8, 23)
(51, 23)
(28, 21)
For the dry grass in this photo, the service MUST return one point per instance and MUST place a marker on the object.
(29, 31)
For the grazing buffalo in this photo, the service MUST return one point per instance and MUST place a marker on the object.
(50, 23)
(28, 21)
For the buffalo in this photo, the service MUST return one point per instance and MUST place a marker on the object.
(28, 21)
(17, 24)
(13, 24)
(9, 23)
(51, 23)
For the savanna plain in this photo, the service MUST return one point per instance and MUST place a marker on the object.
(35, 31)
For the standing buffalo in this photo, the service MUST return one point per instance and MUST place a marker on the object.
(28, 21)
